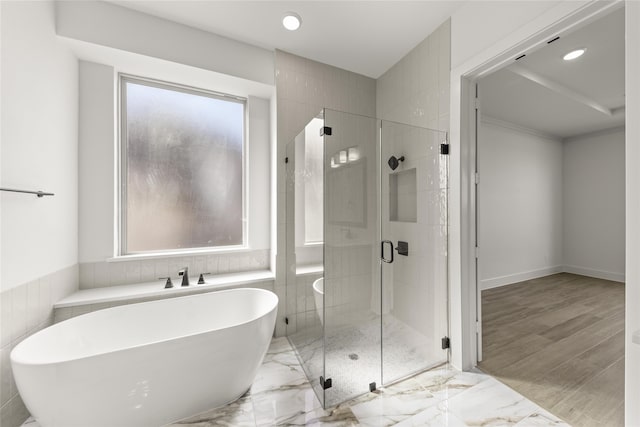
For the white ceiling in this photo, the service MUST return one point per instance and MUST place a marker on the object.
(564, 98)
(366, 37)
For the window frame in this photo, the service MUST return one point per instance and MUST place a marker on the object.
(121, 154)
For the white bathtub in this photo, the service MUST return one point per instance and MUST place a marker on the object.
(146, 364)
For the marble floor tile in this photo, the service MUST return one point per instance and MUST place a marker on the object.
(279, 406)
(238, 413)
(490, 403)
(279, 368)
(441, 397)
(445, 382)
(542, 418)
(394, 404)
(435, 416)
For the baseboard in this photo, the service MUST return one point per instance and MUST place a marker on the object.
(519, 277)
(598, 274)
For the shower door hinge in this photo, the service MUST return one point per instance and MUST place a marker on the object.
(286, 160)
(477, 327)
(444, 149)
(446, 343)
(477, 252)
(477, 178)
(372, 386)
(325, 384)
(325, 130)
(476, 103)
(286, 320)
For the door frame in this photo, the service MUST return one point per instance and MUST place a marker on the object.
(465, 321)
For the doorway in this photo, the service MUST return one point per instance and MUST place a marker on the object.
(550, 223)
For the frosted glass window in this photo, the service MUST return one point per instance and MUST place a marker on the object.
(313, 192)
(182, 168)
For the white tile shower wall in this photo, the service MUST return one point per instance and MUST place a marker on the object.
(303, 88)
(347, 286)
(102, 274)
(25, 310)
(416, 91)
(301, 307)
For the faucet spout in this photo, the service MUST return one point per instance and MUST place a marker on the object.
(185, 276)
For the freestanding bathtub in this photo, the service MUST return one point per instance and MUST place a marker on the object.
(146, 364)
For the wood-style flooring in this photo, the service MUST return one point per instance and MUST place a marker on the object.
(559, 341)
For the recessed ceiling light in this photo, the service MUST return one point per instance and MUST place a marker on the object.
(574, 54)
(291, 21)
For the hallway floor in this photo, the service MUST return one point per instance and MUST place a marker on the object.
(559, 341)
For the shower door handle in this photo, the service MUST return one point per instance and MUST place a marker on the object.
(389, 261)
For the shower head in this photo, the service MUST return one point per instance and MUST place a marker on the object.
(394, 162)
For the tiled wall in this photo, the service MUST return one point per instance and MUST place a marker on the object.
(348, 285)
(416, 91)
(351, 227)
(65, 313)
(303, 88)
(26, 309)
(304, 307)
(102, 274)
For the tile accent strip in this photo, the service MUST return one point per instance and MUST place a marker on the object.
(25, 310)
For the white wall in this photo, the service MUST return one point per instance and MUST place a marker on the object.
(39, 145)
(39, 141)
(594, 205)
(479, 24)
(121, 28)
(519, 204)
(259, 173)
(96, 162)
(632, 181)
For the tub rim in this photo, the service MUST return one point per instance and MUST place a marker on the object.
(13, 357)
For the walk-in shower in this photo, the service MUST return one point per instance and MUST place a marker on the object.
(355, 321)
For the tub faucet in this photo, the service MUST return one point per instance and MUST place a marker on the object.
(168, 284)
(185, 276)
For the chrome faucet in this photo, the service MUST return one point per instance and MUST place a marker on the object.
(185, 276)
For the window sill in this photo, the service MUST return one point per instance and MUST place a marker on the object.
(178, 254)
(156, 289)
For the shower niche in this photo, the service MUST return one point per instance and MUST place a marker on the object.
(403, 203)
(356, 321)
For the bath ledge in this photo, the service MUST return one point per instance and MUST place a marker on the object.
(156, 289)
(636, 337)
(303, 270)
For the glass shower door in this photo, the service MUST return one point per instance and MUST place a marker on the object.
(351, 284)
(413, 224)
(304, 235)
